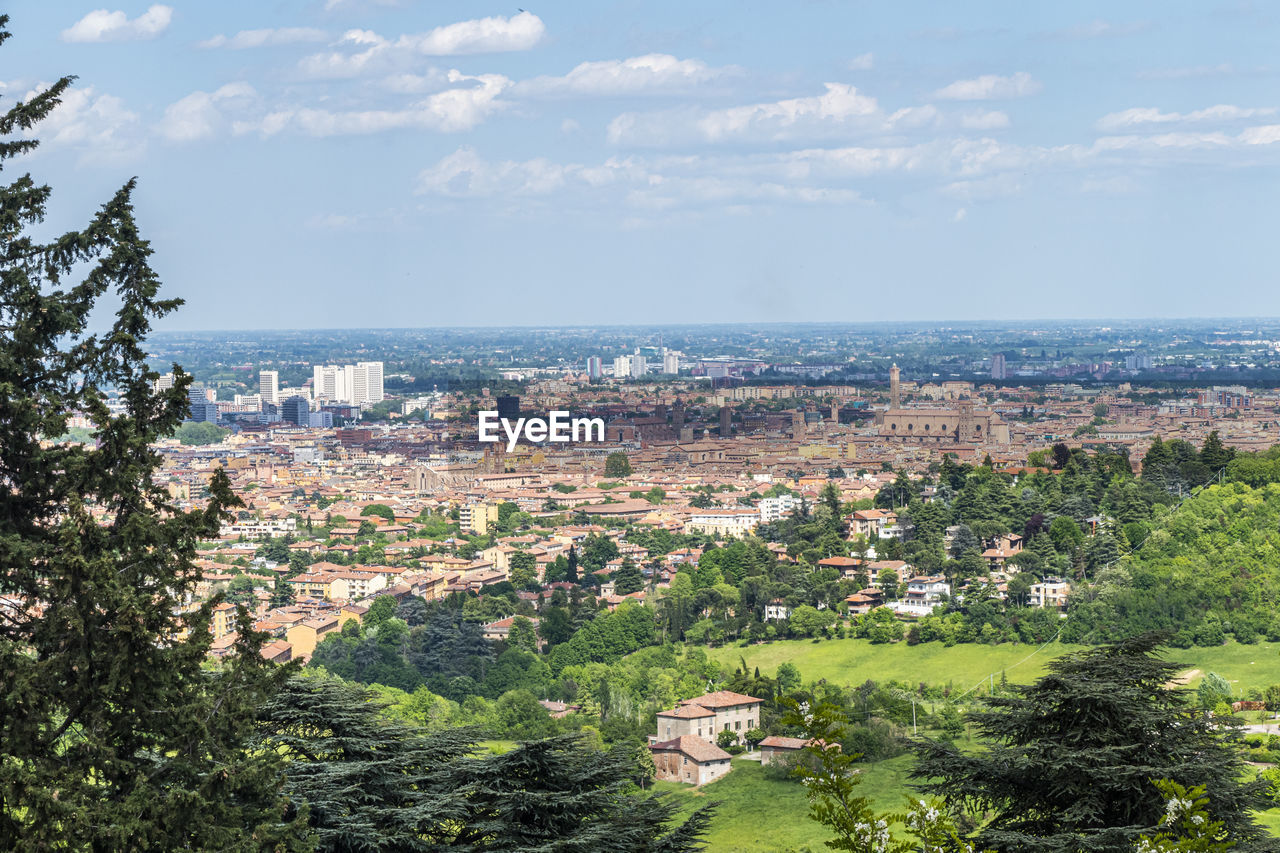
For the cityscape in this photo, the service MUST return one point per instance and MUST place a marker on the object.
(435, 427)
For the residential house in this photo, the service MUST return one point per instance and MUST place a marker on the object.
(689, 759)
(709, 714)
(923, 594)
(776, 610)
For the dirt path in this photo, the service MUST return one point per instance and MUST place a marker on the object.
(1184, 678)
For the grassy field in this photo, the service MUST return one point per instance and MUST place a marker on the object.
(757, 813)
(966, 666)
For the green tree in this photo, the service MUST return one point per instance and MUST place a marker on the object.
(338, 742)
(382, 609)
(1187, 824)
(200, 433)
(1068, 761)
(571, 565)
(380, 510)
(628, 578)
(113, 735)
(1213, 689)
(788, 677)
(524, 569)
(522, 635)
(616, 465)
(726, 738)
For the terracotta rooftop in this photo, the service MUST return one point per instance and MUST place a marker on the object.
(695, 747)
(687, 712)
(721, 699)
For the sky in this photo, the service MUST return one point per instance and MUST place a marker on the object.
(416, 163)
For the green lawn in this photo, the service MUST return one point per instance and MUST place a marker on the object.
(852, 662)
(963, 666)
(757, 813)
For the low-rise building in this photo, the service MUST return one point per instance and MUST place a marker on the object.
(707, 715)
(689, 759)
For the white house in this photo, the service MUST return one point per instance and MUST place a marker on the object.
(923, 594)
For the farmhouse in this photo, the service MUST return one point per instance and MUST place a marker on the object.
(709, 714)
(689, 759)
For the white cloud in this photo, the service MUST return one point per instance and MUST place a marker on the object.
(1267, 134)
(863, 62)
(984, 120)
(840, 110)
(265, 38)
(1099, 28)
(652, 73)
(374, 53)
(990, 87)
(1139, 116)
(482, 35)
(201, 114)
(97, 124)
(658, 185)
(103, 25)
(449, 111)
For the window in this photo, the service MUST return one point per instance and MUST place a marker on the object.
(726, 727)
(749, 722)
(737, 726)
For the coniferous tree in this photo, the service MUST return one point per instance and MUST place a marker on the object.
(112, 735)
(571, 568)
(370, 782)
(373, 783)
(1071, 760)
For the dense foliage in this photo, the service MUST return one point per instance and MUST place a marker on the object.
(112, 734)
(1070, 761)
(369, 782)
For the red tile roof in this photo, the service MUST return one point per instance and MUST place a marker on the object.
(721, 699)
(694, 747)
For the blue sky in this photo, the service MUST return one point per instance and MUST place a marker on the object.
(347, 163)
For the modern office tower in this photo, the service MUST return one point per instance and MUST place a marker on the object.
(165, 382)
(329, 382)
(998, 368)
(595, 367)
(269, 385)
(356, 384)
(296, 411)
(373, 381)
(202, 409)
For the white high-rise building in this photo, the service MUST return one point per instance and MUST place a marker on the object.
(373, 382)
(639, 367)
(269, 386)
(622, 366)
(329, 382)
(349, 383)
(670, 362)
